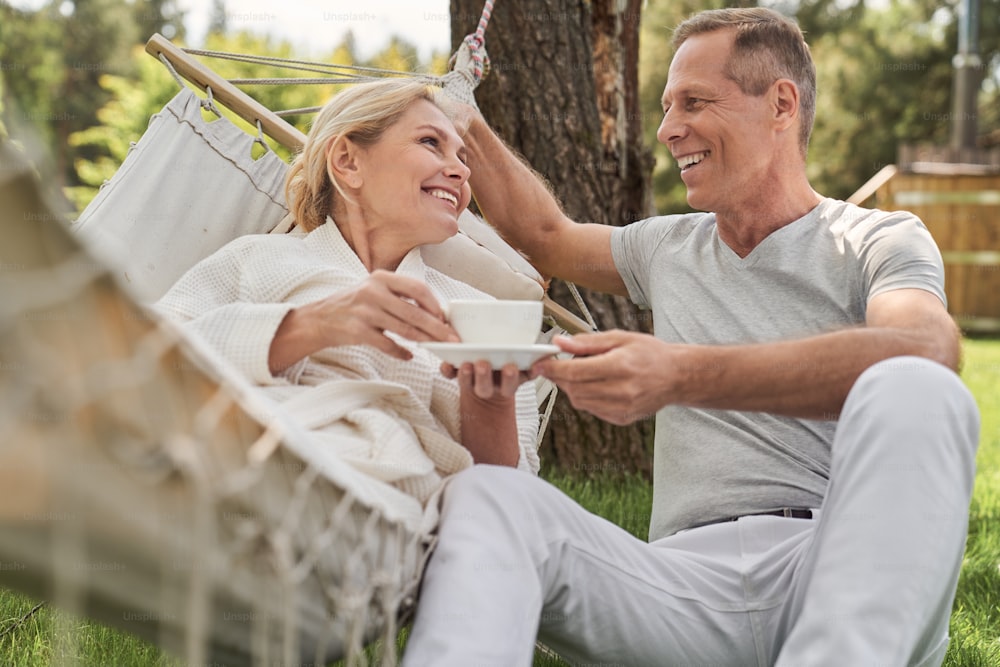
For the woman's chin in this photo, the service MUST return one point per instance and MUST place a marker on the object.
(450, 230)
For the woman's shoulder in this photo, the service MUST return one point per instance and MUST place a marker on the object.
(252, 248)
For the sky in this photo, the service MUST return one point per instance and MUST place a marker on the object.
(317, 26)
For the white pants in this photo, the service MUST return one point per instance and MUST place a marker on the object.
(871, 581)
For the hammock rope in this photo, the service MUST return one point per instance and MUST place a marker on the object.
(476, 42)
(300, 65)
(468, 65)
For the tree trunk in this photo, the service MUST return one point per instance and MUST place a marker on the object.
(563, 91)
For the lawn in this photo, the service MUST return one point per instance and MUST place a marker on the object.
(46, 637)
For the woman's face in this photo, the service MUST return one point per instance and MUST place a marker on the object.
(414, 181)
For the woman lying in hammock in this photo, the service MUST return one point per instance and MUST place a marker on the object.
(382, 173)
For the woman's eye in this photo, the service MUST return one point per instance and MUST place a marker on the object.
(430, 141)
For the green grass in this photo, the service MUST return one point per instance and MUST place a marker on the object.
(49, 637)
(975, 619)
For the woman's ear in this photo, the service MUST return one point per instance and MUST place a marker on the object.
(343, 162)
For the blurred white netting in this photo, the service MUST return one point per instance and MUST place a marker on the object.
(147, 486)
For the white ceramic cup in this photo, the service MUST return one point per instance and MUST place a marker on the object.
(490, 322)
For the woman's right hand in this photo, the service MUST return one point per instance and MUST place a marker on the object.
(384, 302)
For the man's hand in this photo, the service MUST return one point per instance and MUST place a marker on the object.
(619, 376)
(461, 114)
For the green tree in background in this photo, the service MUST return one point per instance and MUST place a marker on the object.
(31, 75)
(101, 148)
(159, 16)
(53, 59)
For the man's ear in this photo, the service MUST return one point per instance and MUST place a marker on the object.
(785, 102)
(343, 162)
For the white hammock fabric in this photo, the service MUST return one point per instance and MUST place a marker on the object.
(142, 488)
(185, 189)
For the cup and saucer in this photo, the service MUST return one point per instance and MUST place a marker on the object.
(500, 332)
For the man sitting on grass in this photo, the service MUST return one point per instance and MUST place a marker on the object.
(814, 449)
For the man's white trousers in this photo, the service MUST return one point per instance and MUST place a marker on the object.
(869, 581)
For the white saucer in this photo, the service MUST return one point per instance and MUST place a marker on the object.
(457, 354)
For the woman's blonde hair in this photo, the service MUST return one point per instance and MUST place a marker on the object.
(361, 113)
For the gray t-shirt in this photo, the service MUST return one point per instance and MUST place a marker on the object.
(812, 276)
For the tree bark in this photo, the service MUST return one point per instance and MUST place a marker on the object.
(563, 92)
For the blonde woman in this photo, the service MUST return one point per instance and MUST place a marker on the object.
(348, 297)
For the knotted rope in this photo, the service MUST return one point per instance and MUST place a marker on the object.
(477, 41)
(470, 63)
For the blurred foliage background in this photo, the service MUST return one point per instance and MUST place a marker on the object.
(76, 85)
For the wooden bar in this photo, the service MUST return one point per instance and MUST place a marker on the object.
(961, 209)
(228, 94)
(564, 318)
(867, 190)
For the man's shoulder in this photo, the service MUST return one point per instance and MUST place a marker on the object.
(678, 224)
(851, 217)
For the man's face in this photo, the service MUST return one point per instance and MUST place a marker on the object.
(722, 139)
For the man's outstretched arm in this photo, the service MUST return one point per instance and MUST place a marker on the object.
(622, 377)
(520, 205)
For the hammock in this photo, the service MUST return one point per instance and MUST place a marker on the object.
(248, 550)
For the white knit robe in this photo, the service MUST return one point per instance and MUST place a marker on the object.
(408, 437)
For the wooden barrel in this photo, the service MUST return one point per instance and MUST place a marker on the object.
(961, 208)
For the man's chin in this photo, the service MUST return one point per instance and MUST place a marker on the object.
(698, 203)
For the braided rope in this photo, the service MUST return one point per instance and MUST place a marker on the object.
(480, 62)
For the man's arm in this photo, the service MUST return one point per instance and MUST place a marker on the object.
(627, 376)
(518, 203)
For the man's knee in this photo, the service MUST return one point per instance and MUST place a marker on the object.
(916, 396)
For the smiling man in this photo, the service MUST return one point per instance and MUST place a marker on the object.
(814, 449)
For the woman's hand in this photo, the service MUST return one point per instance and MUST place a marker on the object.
(385, 302)
(485, 383)
(489, 422)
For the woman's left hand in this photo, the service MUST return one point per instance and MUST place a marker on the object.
(489, 425)
(484, 382)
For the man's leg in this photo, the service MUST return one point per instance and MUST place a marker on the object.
(877, 585)
(516, 556)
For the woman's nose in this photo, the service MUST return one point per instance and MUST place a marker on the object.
(458, 169)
